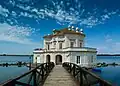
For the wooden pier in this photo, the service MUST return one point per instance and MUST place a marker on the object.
(59, 77)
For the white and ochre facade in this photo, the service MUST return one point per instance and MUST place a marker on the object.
(65, 45)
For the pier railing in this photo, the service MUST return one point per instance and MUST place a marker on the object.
(34, 77)
(83, 76)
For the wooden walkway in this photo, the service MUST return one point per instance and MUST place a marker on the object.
(59, 77)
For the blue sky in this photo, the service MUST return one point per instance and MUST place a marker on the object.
(23, 23)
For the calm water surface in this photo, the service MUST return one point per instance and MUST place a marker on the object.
(108, 59)
(12, 59)
(109, 73)
(12, 71)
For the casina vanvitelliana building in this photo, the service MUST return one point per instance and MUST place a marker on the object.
(65, 45)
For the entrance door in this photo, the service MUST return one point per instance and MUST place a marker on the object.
(58, 60)
(48, 58)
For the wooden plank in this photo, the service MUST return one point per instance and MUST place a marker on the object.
(59, 77)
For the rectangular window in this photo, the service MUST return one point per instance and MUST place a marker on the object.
(78, 60)
(92, 59)
(54, 44)
(60, 45)
(72, 44)
(48, 46)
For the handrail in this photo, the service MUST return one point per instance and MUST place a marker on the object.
(83, 76)
(36, 78)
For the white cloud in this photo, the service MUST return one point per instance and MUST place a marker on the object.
(108, 38)
(15, 34)
(104, 45)
(16, 40)
(116, 47)
(73, 15)
(109, 45)
(102, 49)
(104, 17)
(90, 21)
(3, 11)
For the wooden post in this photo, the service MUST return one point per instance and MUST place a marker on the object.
(34, 79)
(12, 83)
(70, 67)
(81, 78)
(42, 70)
(47, 69)
(74, 70)
(101, 83)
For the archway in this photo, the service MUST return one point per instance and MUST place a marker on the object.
(48, 58)
(58, 60)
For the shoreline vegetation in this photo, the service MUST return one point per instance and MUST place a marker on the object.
(19, 64)
(107, 64)
(13, 55)
(32, 55)
(108, 54)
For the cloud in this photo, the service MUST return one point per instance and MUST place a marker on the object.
(76, 15)
(15, 34)
(64, 12)
(3, 11)
(108, 38)
(17, 40)
(103, 49)
(15, 48)
(116, 47)
(109, 45)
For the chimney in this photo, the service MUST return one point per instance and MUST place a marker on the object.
(81, 30)
(69, 27)
(77, 29)
(53, 31)
(72, 28)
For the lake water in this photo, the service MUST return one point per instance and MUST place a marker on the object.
(110, 73)
(13, 59)
(12, 71)
(108, 59)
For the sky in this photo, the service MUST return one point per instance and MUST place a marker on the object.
(23, 23)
